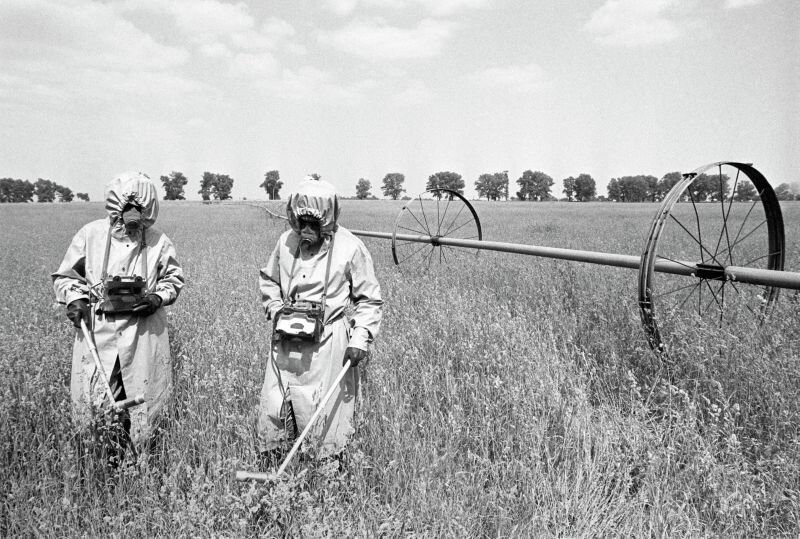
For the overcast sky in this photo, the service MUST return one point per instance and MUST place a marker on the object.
(355, 89)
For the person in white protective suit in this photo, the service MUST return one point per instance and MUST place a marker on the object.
(320, 281)
(132, 339)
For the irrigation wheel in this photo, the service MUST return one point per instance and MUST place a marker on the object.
(429, 217)
(723, 214)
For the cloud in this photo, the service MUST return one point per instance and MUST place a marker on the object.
(250, 66)
(734, 4)
(450, 7)
(416, 93)
(79, 34)
(212, 24)
(71, 49)
(438, 8)
(199, 20)
(634, 22)
(515, 79)
(374, 39)
(311, 84)
(341, 7)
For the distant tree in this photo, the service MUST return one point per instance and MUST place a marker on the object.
(45, 190)
(206, 184)
(272, 184)
(221, 190)
(362, 189)
(82, 196)
(585, 189)
(493, 186)
(64, 194)
(12, 190)
(315, 176)
(173, 185)
(652, 187)
(614, 190)
(570, 187)
(446, 180)
(709, 187)
(745, 191)
(217, 185)
(666, 183)
(639, 188)
(393, 185)
(534, 186)
(784, 192)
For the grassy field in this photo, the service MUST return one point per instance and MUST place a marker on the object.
(512, 397)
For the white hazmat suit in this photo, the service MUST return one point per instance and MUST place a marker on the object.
(303, 371)
(139, 343)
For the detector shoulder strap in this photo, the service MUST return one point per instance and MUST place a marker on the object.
(142, 251)
(327, 273)
(104, 274)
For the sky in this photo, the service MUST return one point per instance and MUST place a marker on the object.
(352, 89)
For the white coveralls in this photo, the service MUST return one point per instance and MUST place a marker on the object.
(140, 343)
(305, 370)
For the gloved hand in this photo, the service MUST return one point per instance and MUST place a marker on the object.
(355, 355)
(77, 310)
(147, 305)
(274, 310)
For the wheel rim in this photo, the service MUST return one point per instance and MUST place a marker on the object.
(722, 214)
(432, 215)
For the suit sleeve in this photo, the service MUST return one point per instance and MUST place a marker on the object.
(170, 274)
(365, 293)
(269, 283)
(69, 281)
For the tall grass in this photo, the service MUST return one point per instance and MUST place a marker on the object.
(510, 398)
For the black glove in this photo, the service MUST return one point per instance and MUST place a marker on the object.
(148, 305)
(78, 310)
(355, 355)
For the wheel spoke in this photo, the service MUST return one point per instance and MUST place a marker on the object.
(699, 235)
(414, 252)
(684, 264)
(714, 298)
(444, 215)
(429, 256)
(702, 247)
(664, 294)
(462, 225)
(422, 209)
(453, 221)
(691, 292)
(741, 227)
(418, 221)
(727, 215)
(401, 243)
(413, 230)
(743, 238)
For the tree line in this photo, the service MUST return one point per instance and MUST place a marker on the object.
(13, 190)
(531, 185)
(536, 186)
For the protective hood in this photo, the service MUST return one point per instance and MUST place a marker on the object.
(317, 199)
(133, 188)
